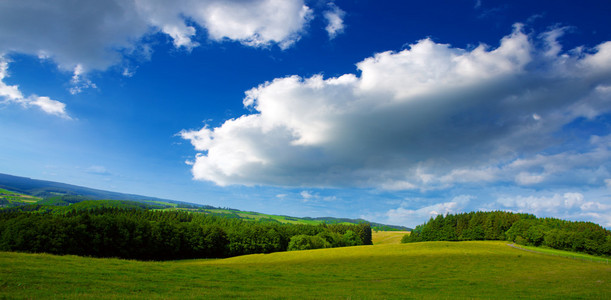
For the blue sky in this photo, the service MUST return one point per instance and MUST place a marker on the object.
(393, 112)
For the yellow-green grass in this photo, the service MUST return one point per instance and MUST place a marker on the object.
(446, 270)
(387, 237)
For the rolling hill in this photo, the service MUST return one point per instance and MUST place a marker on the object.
(431, 270)
(47, 189)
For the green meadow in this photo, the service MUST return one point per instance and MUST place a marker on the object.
(443, 270)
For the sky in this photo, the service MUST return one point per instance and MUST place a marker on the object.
(391, 111)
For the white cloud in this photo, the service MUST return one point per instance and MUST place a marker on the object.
(96, 34)
(427, 66)
(335, 20)
(588, 167)
(70, 32)
(306, 195)
(49, 106)
(465, 175)
(256, 23)
(525, 178)
(98, 170)
(428, 116)
(570, 205)
(10, 94)
(398, 185)
(542, 204)
(79, 82)
(81, 36)
(404, 215)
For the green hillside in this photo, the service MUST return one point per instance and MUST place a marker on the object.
(255, 216)
(444, 270)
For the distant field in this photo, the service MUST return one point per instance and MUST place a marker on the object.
(420, 270)
(12, 197)
(387, 237)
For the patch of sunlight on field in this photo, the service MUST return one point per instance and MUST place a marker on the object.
(446, 270)
(387, 237)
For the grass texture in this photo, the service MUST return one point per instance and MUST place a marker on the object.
(431, 270)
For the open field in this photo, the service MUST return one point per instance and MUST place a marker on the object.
(399, 271)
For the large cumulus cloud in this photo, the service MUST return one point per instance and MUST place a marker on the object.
(425, 117)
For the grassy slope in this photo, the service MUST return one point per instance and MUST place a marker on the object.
(419, 270)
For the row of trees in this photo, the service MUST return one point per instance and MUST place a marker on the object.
(155, 235)
(330, 238)
(524, 229)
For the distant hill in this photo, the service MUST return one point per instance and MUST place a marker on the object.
(255, 216)
(49, 189)
(61, 194)
(375, 226)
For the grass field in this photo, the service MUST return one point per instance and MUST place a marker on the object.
(387, 237)
(396, 271)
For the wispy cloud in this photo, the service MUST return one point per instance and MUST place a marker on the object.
(10, 94)
(404, 215)
(98, 170)
(79, 82)
(335, 20)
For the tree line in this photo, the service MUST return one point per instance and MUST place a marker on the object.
(163, 235)
(523, 229)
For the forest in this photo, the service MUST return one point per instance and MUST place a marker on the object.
(523, 229)
(143, 234)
